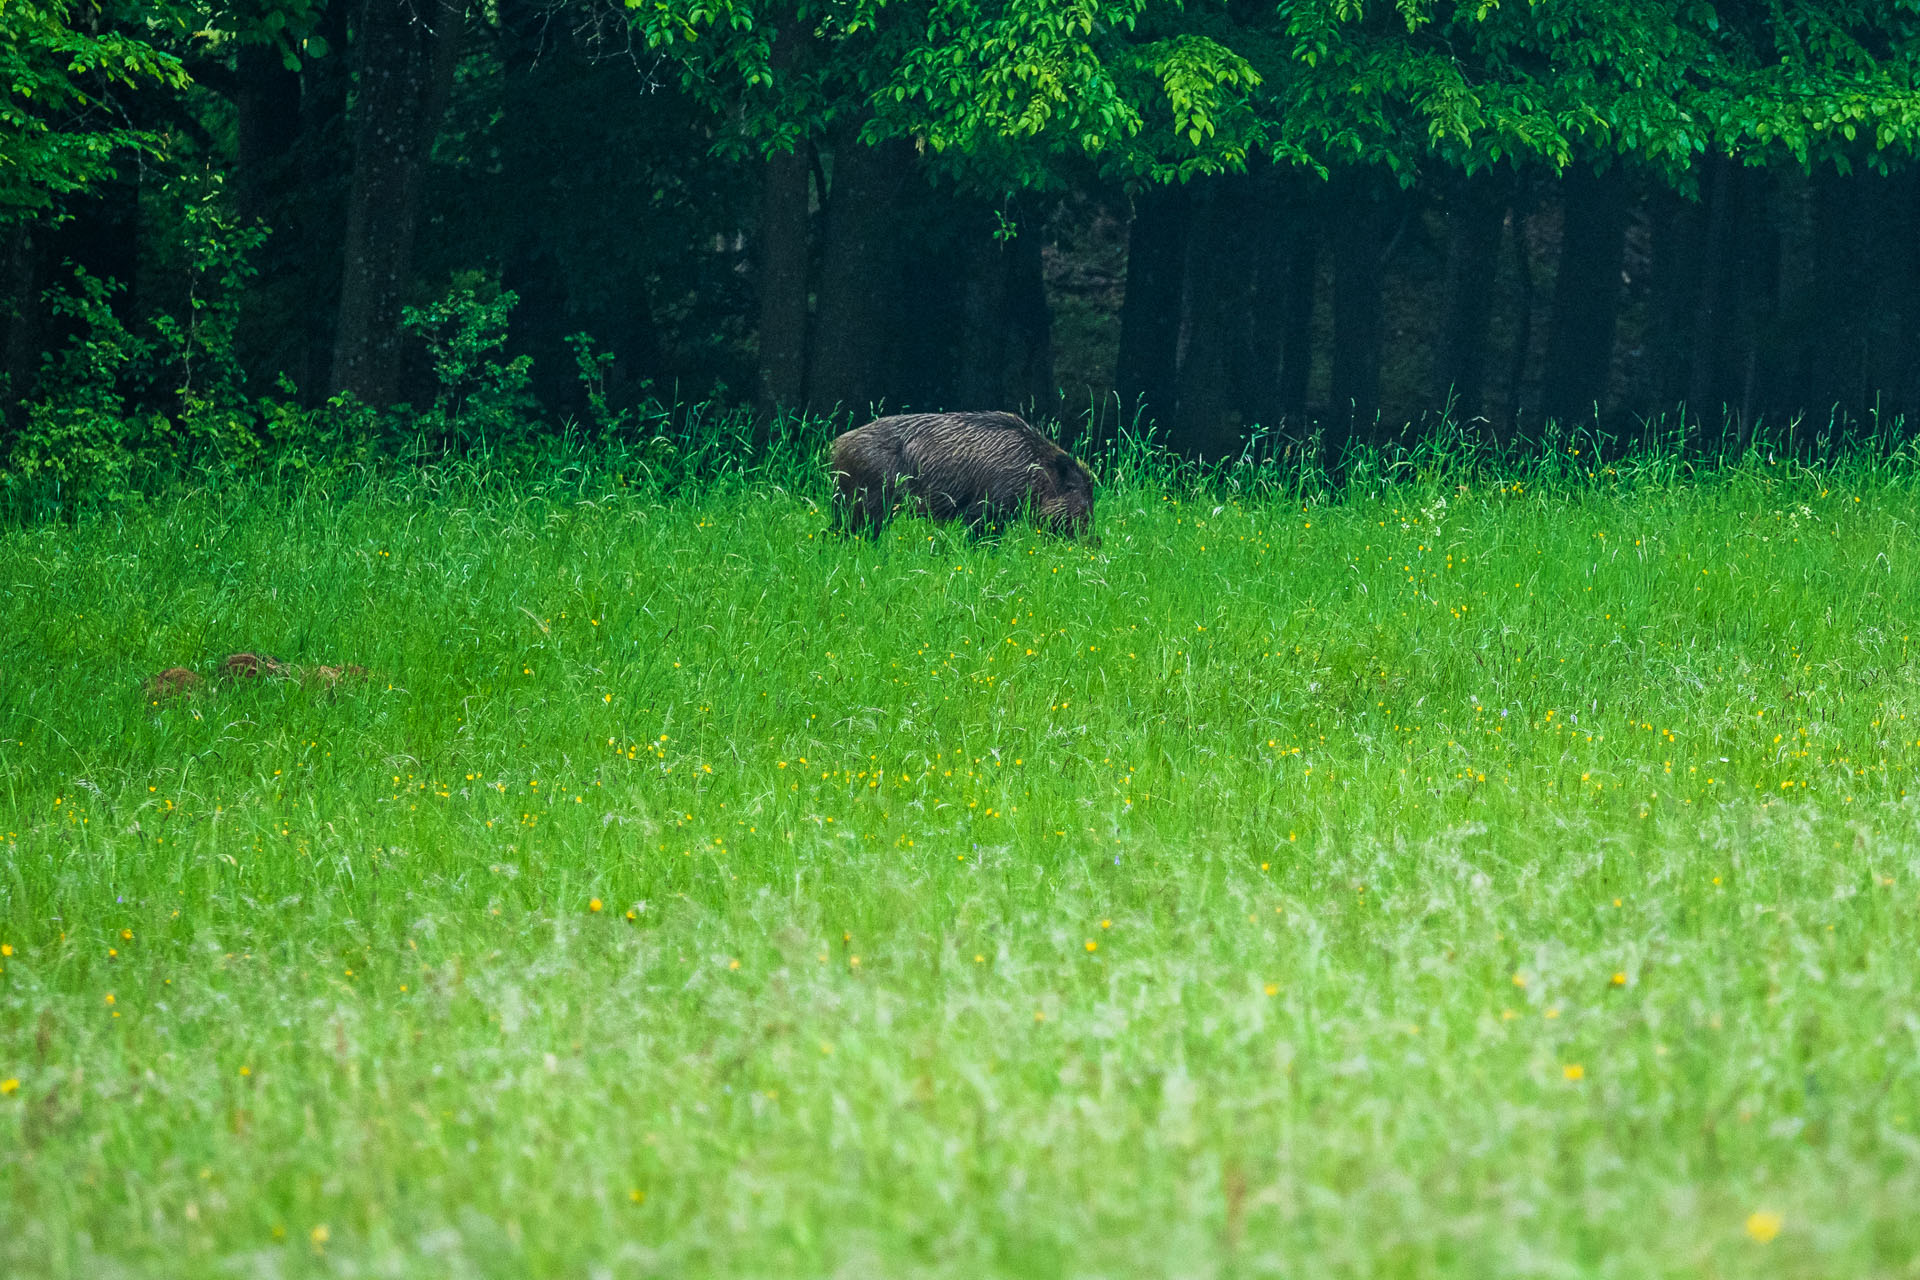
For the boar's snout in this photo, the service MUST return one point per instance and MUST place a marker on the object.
(1068, 515)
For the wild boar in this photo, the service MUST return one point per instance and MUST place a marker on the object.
(333, 677)
(246, 666)
(171, 683)
(978, 467)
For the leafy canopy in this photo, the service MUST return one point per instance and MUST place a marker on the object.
(59, 130)
(1158, 90)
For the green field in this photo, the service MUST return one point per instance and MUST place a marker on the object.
(1459, 877)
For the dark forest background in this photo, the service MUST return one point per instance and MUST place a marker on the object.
(221, 225)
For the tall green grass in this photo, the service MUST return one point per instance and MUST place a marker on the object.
(1489, 866)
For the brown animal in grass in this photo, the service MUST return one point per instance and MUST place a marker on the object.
(330, 677)
(172, 683)
(246, 666)
(978, 467)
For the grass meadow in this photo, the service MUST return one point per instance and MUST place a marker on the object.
(1471, 875)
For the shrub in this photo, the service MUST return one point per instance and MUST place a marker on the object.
(114, 402)
(482, 399)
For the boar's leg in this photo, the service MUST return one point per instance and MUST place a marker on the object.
(858, 509)
(940, 504)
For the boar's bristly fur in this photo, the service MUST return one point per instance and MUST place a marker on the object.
(978, 467)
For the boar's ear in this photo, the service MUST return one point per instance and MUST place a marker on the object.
(1066, 465)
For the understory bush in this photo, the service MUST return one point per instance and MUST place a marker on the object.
(125, 408)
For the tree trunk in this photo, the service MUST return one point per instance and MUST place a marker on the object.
(1026, 323)
(1522, 321)
(531, 60)
(944, 347)
(1840, 341)
(1833, 338)
(1586, 296)
(1906, 396)
(1782, 334)
(1219, 310)
(1861, 262)
(406, 57)
(1150, 309)
(980, 367)
(1752, 294)
(318, 193)
(1678, 228)
(1475, 215)
(1705, 403)
(1296, 335)
(974, 330)
(268, 134)
(785, 192)
(22, 325)
(1358, 279)
(267, 126)
(859, 269)
(1276, 227)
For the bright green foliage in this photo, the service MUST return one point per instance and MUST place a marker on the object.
(79, 433)
(65, 68)
(216, 27)
(997, 91)
(287, 25)
(1447, 882)
(1657, 84)
(480, 398)
(58, 129)
(1481, 84)
(1822, 81)
(1100, 80)
(200, 366)
(1475, 84)
(1160, 91)
(82, 439)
